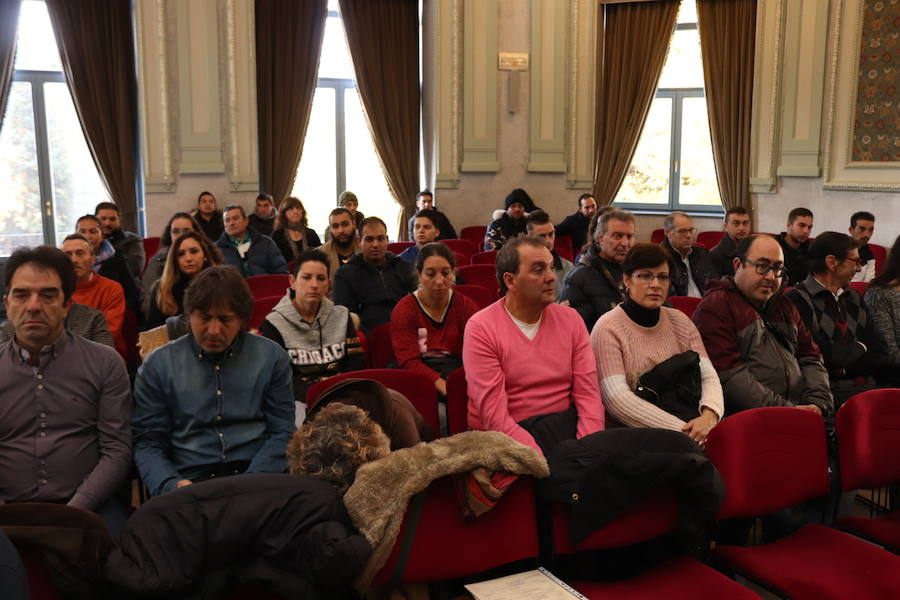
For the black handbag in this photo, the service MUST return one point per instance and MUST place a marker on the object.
(674, 385)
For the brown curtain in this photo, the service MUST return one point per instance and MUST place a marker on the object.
(9, 21)
(288, 44)
(630, 57)
(727, 42)
(383, 36)
(96, 44)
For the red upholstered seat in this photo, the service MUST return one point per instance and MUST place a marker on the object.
(563, 247)
(884, 530)
(478, 294)
(483, 275)
(488, 257)
(657, 236)
(860, 286)
(151, 247)
(464, 247)
(686, 304)
(264, 286)
(474, 234)
(398, 247)
(457, 402)
(773, 458)
(380, 352)
(261, 309)
(880, 254)
(709, 239)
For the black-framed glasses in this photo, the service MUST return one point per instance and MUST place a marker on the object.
(763, 268)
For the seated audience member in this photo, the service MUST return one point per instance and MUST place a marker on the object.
(348, 200)
(95, 290)
(129, 245)
(208, 216)
(836, 316)
(755, 338)
(526, 356)
(216, 402)
(108, 262)
(538, 225)
(862, 226)
(67, 439)
(427, 325)
(795, 244)
(692, 266)
(262, 218)
(576, 225)
(343, 242)
(319, 335)
(641, 334)
(190, 255)
(425, 201)
(511, 223)
(595, 284)
(247, 249)
(179, 223)
(737, 227)
(425, 231)
(373, 281)
(86, 321)
(292, 235)
(883, 300)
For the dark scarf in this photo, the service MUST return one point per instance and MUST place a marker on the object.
(645, 317)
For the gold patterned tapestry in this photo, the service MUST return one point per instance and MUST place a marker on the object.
(876, 128)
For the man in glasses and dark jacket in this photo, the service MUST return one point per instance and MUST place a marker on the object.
(761, 348)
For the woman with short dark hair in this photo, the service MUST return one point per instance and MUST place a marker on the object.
(641, 334)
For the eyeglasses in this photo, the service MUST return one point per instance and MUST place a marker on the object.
(857, 261)
(692, 231)
(645, 277)
(177, 232)
(764, 268)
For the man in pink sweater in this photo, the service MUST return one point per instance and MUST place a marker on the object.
(526, 356)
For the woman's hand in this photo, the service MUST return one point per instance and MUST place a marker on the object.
(697, 429)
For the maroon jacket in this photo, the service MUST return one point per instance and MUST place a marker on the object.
(764, 358)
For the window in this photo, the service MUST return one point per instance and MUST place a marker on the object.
(338, 153)
(47, 175)
(675, 144)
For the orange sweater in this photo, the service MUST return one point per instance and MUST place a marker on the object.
(106, 296)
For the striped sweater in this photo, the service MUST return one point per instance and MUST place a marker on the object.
(625, 350)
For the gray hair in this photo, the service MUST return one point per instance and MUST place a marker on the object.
(669, 222)
(608, 215)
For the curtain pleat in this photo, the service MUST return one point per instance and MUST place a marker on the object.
(383, 37)
(631, 53)
(727, 42)
(9, 21)
(288, 44)
(96, 45)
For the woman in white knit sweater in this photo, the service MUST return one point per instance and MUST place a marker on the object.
(640, 333)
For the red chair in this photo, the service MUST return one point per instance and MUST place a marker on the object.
(130, 335)
(291, 266)
(686, 304)
(657, 236)
(418, 389)
(261, 309)
(880, 254)
(474, 234)
(480, 295)
(563, 247)
(488, 257)
(860, 286)
(868, 427)
(380, 352)
(483, 275)
(709, 239)
(461, 259)
(151, 247)
(447, 546)
(774, 458)
(464, 247)
(457, 402)
(264, 286)
(398, 247)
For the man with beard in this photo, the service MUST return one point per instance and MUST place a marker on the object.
(512, 222)
(737, 227)
(343, 243)
(576, 225)
(126, 243)
(795, 244)
(862, 226)
(208, 216)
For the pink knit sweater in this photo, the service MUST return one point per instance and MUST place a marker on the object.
(511, 378)
(625, 350)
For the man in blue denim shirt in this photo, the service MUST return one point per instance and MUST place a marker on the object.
(215, 402)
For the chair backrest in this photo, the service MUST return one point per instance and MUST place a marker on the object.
(880, 254)
(464, 247)
(563, 247)
(380, 351)
(461, 259)
(868, 428)
(770, 458)
(686, 304)
(860, 286)
(477, 293)
(457, 402)
(657, 236)
(130, 335)
(709, 239)
(417, 388)
(488, 257)
(483, 275)
(151, 246)
(447, 546)
(474, 234)
(264, 286)
(261, 309)
(398, 247)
